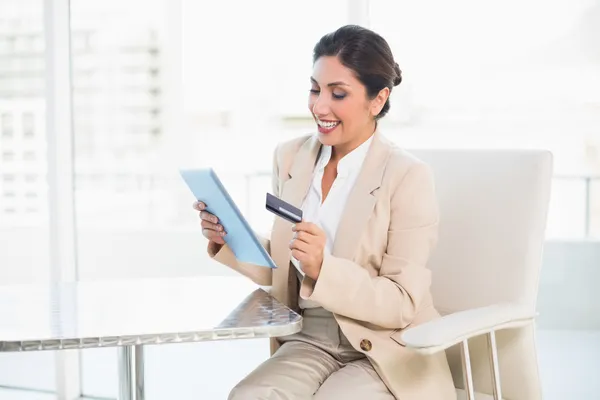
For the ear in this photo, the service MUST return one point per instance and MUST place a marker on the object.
(379, 101)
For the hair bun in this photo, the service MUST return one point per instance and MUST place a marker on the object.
(398, 78)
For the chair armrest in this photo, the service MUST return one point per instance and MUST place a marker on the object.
(439, 334)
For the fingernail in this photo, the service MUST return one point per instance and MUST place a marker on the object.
(294, 227)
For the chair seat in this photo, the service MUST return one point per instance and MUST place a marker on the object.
(462, 395)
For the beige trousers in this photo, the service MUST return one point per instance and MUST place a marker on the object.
(317, 363)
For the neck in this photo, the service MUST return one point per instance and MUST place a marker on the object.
(339, 151)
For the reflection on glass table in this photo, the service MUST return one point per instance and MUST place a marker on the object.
(129, 314)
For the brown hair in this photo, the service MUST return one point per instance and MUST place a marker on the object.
(367, 54)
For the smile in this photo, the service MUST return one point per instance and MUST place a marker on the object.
(327, 124)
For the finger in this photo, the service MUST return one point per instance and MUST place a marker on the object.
(299, 255)
(206, 216)
(198, 205)
(300, 245)
(219, 240)
(213, 236)
(306, 227)
(305, 237)
(213, 227)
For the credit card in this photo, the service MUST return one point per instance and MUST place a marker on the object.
(283, 209)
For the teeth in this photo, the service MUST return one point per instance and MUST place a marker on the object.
(327, 124)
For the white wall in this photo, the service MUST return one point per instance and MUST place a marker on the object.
(569, 297)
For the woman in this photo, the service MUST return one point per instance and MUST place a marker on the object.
(355, 267)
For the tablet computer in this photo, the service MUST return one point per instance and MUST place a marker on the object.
(208, 188)
(241, 239)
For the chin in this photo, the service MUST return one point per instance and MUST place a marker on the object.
(331, 138)
(327, 139)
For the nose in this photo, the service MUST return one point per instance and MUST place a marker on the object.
(320, 107)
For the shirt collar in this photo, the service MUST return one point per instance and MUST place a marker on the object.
(350, 162)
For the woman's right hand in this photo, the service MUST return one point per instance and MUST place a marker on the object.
(211, 229)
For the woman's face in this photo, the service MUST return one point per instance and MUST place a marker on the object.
(338, 101)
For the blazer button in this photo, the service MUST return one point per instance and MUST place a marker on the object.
(365, 345)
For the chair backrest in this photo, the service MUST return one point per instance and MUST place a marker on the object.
(493, 206)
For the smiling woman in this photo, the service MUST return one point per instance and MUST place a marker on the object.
(353, 75)
(355, 267)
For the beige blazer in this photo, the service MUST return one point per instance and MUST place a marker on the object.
(375, 282)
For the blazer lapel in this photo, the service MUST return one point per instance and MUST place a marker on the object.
(362, 199)
(293, 191)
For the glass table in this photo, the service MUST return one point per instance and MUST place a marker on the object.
(131, 314)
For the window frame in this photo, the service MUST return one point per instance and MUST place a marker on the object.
(60, 164)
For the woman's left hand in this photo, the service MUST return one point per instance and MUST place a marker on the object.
(307, 247)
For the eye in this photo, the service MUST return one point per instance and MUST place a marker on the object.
(339, 96)
(314, 91)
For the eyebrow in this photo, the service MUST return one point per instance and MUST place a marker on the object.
(336, 83)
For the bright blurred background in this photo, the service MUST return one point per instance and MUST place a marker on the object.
(158, 85)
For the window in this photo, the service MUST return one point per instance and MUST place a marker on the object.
(8, 155)
(10, 43)
(21, 49)
(31, 178)
(28, 122)
(157, 108)
(469, 81)
(7, 124)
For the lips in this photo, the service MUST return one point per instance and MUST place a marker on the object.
(326, 127)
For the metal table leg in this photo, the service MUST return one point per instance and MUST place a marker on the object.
(131, 372)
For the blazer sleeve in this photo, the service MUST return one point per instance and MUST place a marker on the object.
(258, 274)
(391, 299)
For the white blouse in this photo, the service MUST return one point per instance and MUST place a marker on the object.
(327, 214)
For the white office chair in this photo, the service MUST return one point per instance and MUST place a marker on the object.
(486, 269)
